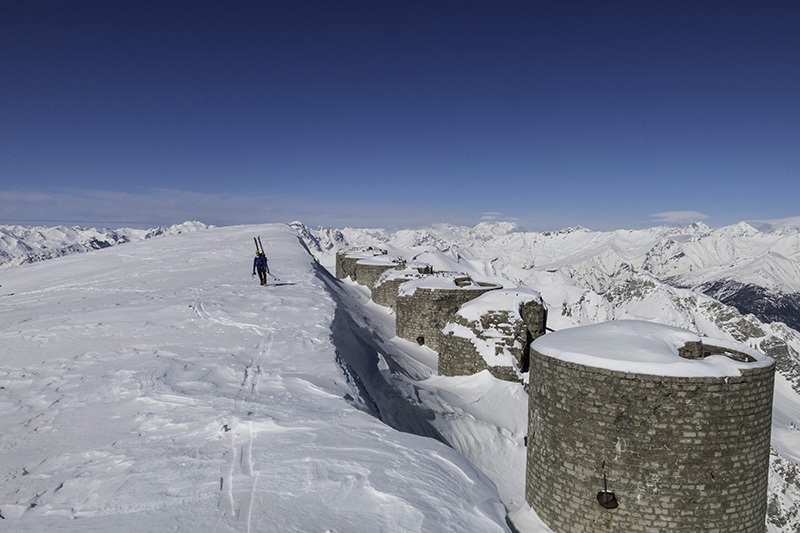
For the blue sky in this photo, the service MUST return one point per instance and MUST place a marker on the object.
(399, 114)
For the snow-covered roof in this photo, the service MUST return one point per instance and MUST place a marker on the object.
(365, 253)
(442, 281)
(379, 260)
(492, 342)
(508, 300)
(401, 274)
(642, 347)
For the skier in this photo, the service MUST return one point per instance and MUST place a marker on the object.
(260, 264)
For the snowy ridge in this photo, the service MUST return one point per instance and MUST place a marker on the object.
(155, 386)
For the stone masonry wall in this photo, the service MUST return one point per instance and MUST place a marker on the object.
(384, 291)
(423, 314)
(346, 261)
(458, 355)
(681, 454)
(343, 266)
(368, 272)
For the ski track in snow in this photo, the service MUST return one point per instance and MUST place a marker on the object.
(156, 387)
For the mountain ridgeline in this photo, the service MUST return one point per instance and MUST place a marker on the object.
(737, 281)
(767, 305)
(22, 244)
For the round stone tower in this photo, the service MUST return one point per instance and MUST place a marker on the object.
(424, 305)
(369, 270)
(385, 289)
(639, 427)
(346, 260)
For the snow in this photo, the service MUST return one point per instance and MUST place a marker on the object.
(586, 277)
(154, 386)
(786, 420)
(407, 273)
(508, 300)
(641, 347)
(379, 260)
(440, 280)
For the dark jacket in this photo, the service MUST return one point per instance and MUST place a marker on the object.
(260, 262)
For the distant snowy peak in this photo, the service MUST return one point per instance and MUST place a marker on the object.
(321, 239)
(175, 229)
(496, 229)
(20, 244)
(763, 265)
(688, 256)
(741, 229)
(783, 225)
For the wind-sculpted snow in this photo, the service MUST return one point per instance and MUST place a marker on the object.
(156, 387)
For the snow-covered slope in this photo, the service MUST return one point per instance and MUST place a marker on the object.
(155, 386)
(20, 244)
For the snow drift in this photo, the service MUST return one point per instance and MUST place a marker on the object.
(155, 387)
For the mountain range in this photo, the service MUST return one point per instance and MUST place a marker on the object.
(22, 244)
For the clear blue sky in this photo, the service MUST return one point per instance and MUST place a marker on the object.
(618, 114)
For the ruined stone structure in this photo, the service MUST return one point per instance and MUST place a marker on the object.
(369, 270)
(425, 305)
(638, 427)
(366, 266)
(346, 260)
(384, 291)
(493, 332)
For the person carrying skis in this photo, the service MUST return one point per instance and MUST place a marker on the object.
(260, 264)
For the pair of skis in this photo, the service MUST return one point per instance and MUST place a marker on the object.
(259, 251)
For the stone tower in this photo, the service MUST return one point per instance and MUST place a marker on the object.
(639, 427)
(346, 260)
(425, 305)
(385, 289)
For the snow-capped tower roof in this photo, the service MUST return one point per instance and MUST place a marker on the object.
(642, 347)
